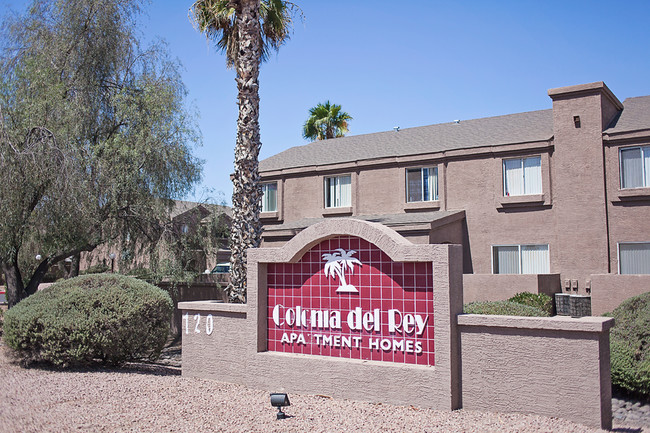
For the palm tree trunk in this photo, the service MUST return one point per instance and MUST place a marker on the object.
(246, 229)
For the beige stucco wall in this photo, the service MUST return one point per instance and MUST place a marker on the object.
(487, 287)
(552, 366)
(629, 219)
(608, 291)
(578, 184)
(555, 366)
(582, 214)
(476, 186)
(380, 189)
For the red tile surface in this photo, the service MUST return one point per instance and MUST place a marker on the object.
(381, 283)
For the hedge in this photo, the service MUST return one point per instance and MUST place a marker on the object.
(505, 308)
(541, 301)
(630, 345)
(101, 318)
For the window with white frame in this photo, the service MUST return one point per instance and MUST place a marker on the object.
(338, 191)
(634, 258)
(522, 176)
(635, 167)
(269, 197)
(422, 184)
(520, 259)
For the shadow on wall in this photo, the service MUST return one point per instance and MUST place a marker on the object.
(467, 251)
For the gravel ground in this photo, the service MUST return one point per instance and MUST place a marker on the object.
(155, 398)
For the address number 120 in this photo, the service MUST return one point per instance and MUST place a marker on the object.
(209, 323)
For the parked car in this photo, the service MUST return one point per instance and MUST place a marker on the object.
(221, 268)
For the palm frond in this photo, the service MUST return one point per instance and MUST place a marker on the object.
(216, 19)
(325, 121)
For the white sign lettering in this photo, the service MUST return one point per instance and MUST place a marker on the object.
(357, 320)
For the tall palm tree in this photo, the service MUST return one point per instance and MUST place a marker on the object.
(246, 30)
(326, 121)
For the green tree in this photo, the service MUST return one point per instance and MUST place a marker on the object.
(246, 30)
(95, 135)
(326, 121)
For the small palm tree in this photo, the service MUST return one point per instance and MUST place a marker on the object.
(246, 30)
(326, 121)
(337, 264)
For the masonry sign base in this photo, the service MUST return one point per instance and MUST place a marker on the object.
(351, 309)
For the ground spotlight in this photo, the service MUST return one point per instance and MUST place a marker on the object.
(279, 401)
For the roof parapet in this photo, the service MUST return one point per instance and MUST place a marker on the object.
(584, 89)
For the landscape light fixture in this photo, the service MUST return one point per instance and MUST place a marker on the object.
(112, 257)
(279, 400)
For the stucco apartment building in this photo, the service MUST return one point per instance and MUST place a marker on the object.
(542, 201)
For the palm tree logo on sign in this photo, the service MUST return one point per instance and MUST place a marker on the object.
(337, 264)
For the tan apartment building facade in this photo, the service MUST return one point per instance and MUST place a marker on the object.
(543, 201)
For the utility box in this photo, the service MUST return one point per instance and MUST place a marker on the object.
(562, 307)
(580, 305)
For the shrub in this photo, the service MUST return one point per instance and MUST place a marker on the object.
(505, 308)
(630, 345)
(538, 300)
(106, 318)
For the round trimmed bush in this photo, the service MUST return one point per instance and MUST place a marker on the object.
(504, 308)
(101, 318)
(630, 345)
(537, 300)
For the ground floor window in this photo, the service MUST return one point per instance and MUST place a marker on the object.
(634, 258)
(520, 259)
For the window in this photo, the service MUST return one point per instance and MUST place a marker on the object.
(269, 197)
(422, 184)
(338, 191)
(520, 259)
(522, 176)
(634, 258)
(635, 167)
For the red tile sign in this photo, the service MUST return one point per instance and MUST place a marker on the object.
(346, 298)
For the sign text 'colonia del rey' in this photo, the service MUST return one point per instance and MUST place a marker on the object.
(346, 298)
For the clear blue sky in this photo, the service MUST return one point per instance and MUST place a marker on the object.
(407, 64)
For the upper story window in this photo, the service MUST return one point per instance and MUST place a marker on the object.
(269, 197)
(338, 191)
(522, 176)
(520, 259)
(422, 184)
(635, 167)
(634, 258)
